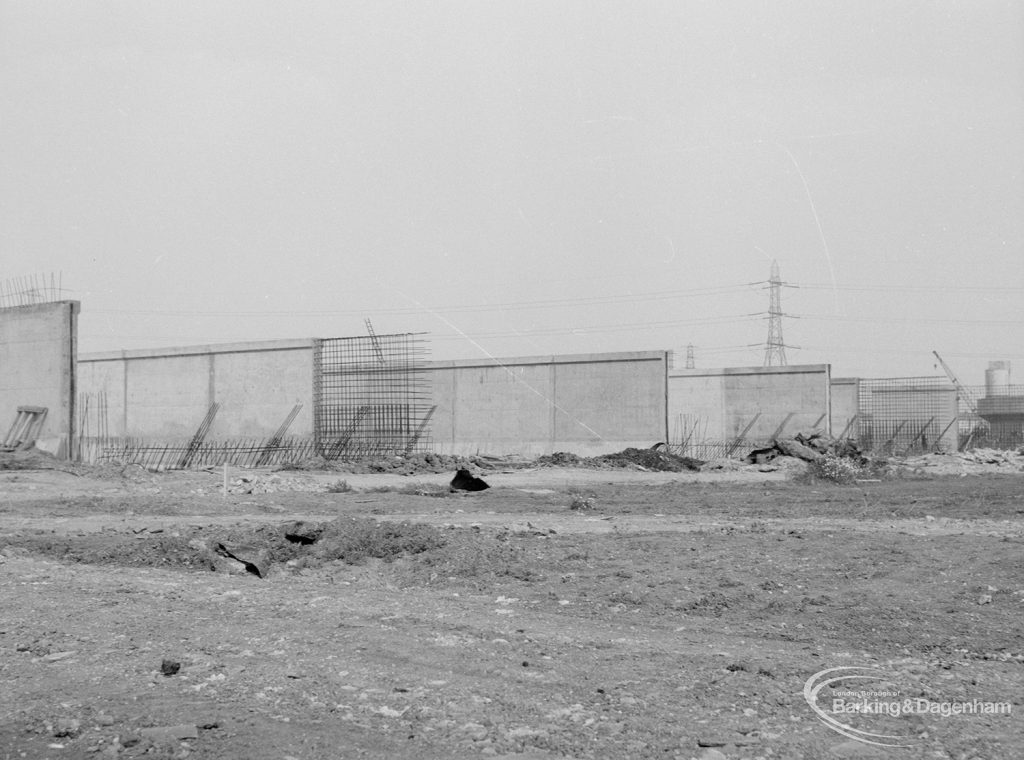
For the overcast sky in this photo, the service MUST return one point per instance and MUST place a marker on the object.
(525, 178)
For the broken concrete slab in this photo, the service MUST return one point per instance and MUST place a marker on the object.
(792, 448)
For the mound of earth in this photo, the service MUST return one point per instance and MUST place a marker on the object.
(651, 459)
(646, 459)
(237, 549)
(34, 459)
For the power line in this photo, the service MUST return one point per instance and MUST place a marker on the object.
(598, 329)
(548, 303)
(914, 288)
(512, 333)
(922, 320)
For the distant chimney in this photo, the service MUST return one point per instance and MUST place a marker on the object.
(997, 379)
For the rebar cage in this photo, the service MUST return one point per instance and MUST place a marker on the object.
(907, 414)
(371, 395)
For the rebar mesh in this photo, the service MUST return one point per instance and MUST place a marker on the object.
(371, 395)
(178, 455)
(907, 414)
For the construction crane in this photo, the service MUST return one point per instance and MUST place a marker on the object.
(375, 341)
(961, 389)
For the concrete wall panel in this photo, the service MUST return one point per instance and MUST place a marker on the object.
(610, 405)
(166, 393)
(587, 404)
(259, 389)
(718, 405)
(168, 397)
(491, 409)
(37, 367)
(844, 407)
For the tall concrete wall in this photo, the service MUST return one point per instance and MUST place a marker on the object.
(587, 404)
(716, 405)
(165, 393)
(37, 368)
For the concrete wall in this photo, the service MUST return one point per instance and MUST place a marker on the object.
(37, 368)
(845, 420)
(587, 404)
(165, 393)
(715, 405)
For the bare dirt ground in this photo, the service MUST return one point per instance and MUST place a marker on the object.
(666, 616)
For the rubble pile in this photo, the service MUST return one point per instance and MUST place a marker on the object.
(809, 448)
(975, 461)
(993, 456)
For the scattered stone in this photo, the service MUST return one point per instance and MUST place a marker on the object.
(170, 667)
(104, 720)
(475, 731)
(66, 727)
(582, 503)
(854, 748)
(170, 733)
(737, 740)
(985, 599)
(523, 732)
(56, 656)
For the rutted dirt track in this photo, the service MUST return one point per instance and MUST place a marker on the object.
(674, 616)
